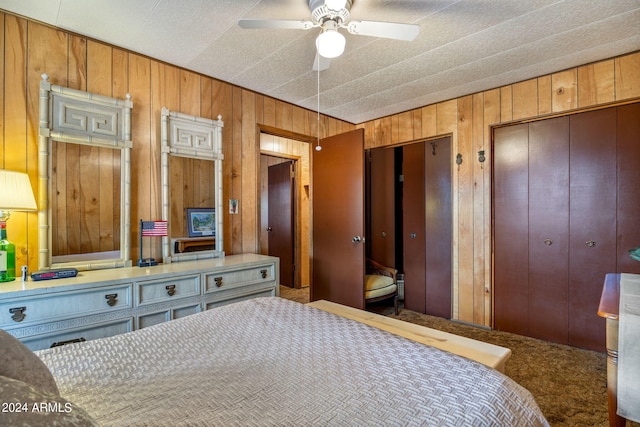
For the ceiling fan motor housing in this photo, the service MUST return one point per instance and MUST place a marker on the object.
(321, 13)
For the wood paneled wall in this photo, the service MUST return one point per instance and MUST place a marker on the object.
(469, 120)
(28, 49)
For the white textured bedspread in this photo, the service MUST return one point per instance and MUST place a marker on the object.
(270, 361)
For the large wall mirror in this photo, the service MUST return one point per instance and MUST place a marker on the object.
(191, 186)
(84, 179)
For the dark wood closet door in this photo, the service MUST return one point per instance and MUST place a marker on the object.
(628, 134)
(338, 217)
(438, 230)
(280, 223)
(413, 218)
(511, 224)
(548, 229)
(381, 192)
(592, 247)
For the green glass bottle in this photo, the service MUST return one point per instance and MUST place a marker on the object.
(7, 255)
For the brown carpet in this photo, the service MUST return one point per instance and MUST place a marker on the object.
(568, 383)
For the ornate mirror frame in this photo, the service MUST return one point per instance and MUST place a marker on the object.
(184, 135)
(77, 117)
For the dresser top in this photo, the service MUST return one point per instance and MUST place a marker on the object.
(85, 279)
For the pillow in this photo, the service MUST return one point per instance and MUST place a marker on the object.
(27, 405)
(376, 281)
(22, 364)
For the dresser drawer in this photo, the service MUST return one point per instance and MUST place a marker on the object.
(56, 306)
(223, 280)
(178, 287)
(150, 319)
(102, 330)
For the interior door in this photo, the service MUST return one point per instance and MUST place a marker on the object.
(511, 224)
(628, 189)
(548, 233)
(413, 225)
(381, 245)
(280, 222)
(438, 227)
(592, 251)
(338, 220)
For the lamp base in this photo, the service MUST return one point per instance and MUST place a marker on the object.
(7, 279)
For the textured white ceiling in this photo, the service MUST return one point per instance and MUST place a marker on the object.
(464, 46)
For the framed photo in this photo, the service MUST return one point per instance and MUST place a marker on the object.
(201, 222)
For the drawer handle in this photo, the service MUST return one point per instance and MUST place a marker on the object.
(112, 299)
(18, 313)
(263, 273)
(171, 290)
(218, 281)
(61, 343)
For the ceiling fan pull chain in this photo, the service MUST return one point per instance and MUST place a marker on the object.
(318, 147)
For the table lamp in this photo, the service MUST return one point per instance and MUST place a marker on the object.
(15, 195)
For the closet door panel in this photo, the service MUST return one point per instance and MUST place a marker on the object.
(511, 225)
(438, 228)
(549, 229)
(592, 247)
(382, 207)
(628, 134)
(413, 207)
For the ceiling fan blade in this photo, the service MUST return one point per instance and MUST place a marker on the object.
(287, 24)
(387, 30)
(321, 63)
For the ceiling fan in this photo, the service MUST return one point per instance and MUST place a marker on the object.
(330, 16)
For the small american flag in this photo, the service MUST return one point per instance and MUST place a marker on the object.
(154, 228)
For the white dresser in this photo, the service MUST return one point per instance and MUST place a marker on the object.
(102, 303)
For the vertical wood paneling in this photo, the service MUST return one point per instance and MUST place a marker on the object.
(16, 142)
(544, 95)
(250, 169)
(235, 222)
(478, 213)
(429, 127)
(465, 205)
(564, 94)
(627, 76)
(596, 84)
(525, 99)
(506, 104)
(140, 89)
(405, 126)
(77, 67)
(491, 112)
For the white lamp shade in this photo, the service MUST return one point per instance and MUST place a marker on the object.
(16, 193)
(330, 44)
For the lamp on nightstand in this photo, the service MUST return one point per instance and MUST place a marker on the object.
(15, 195)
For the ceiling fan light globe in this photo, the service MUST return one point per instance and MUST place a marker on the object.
(335, 4)
(330, 44)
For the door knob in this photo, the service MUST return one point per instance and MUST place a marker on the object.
(548, 242)
(413, 235)
(357, 239)
(590, 243)
(269, 228)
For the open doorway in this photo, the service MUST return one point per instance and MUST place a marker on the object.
(275, 150)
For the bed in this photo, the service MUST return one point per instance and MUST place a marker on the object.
(271, 361)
